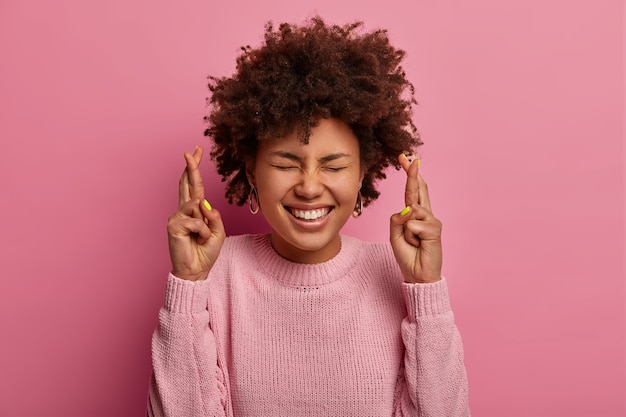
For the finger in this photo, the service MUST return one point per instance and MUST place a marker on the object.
(198, 152)
(404, 161)
(194, 178)
(184, 193)
(183, 189)
(213, 219)
(191, 209)
(423, 230)
(411, 191)
(411, 237)
(424, 197)
(398, 224)
(180, 223)
(186, 227)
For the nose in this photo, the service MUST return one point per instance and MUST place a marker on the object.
(309, 185)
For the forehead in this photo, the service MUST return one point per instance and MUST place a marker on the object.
(330, 136)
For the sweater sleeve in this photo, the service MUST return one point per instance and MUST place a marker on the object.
(434, 382)
(186, 379)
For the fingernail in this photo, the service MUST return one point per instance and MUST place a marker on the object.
(196, 148)
(405, 157)
(405, 211)
(207, 205)
(419, 163)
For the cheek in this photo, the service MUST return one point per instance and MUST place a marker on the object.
(271, 189)
(345, 189)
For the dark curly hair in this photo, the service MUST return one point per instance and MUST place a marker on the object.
(300, 75)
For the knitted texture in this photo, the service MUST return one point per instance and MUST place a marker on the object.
(263, 336)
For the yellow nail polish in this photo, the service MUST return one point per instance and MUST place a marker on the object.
(419, 163)
(196, 148)
(207, 205)
(405, 157)
(405, 211)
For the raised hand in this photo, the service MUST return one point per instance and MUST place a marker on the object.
(195, 231)
(415, 234)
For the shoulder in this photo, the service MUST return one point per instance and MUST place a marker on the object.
(379, 273)
(239, 242)
(247, 243)
(367, 248)
(373, 255)
(238, 250)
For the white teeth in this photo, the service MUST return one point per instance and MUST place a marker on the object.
(309, 214)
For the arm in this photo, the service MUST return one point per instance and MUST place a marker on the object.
(435, 381)
(186, 379)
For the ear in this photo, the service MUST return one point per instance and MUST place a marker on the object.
(250, 172)
(361, 178)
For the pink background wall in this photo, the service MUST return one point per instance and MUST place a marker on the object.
(522, 112)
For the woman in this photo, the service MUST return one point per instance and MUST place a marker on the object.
(305, 321)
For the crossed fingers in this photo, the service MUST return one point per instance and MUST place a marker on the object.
(190, 186)
(416, 190)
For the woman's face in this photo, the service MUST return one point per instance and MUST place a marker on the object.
(308, 192)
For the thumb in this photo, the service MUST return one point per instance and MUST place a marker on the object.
(213, 220)
(397, 222)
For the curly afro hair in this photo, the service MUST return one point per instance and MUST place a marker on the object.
(300, 75)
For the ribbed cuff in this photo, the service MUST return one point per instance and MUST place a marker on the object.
(183, 296)
(426, 299)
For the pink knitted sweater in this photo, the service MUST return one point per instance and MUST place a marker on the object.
(262, 336)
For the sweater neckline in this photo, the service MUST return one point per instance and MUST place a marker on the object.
(306, 275)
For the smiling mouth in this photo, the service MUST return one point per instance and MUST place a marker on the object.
(310, 215)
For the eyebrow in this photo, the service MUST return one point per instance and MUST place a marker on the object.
(293, 157)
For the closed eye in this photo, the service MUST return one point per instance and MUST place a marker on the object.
(334, 169)
(284, 167)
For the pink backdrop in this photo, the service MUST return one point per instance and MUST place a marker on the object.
(522, 111)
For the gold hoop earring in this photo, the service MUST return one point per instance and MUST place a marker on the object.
(358, 207)
(253, 200)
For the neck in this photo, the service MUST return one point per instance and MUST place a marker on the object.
(303, 255)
